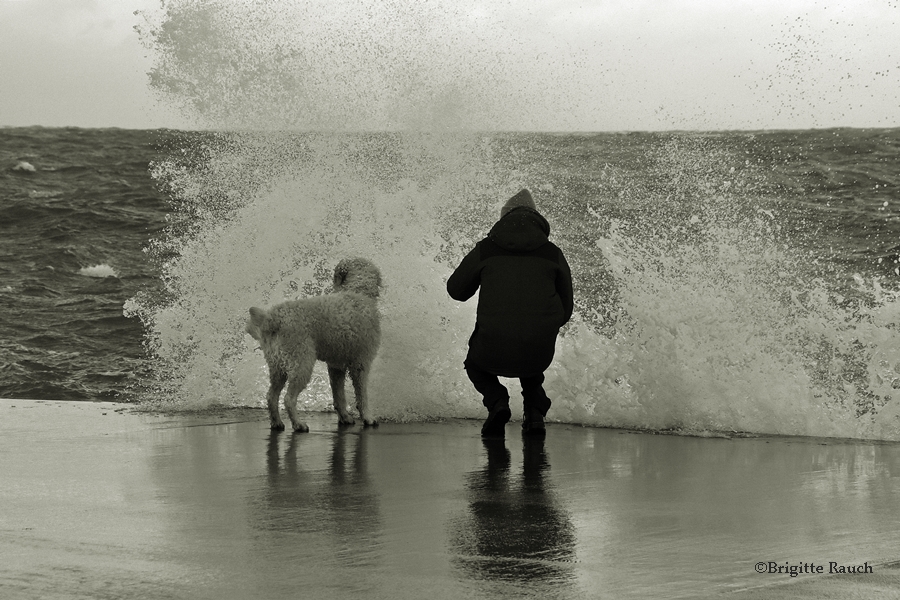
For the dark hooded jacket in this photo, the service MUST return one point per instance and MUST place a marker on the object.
(526, 295)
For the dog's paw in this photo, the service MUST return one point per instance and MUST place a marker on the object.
(370, 423)
(301, 428)
(277, 426)
(348, 420)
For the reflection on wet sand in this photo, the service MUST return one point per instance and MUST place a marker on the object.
(515, 531)
(131, 506)
(334, 507)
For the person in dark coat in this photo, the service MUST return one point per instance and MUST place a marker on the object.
(526, 296)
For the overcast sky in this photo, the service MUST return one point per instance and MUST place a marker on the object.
(593, 65)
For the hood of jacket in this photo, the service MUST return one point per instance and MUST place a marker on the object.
(520, 230)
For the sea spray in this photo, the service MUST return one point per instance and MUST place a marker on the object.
(262, 216)
(387, 65)
(723, 323)
(718, 319)
(263, 242)
(703, 301)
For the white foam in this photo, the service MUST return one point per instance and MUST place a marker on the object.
(98, 271)
(288, 235)
(40, 194)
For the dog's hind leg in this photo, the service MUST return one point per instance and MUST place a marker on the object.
(277, 379)
(337, 377)
(297, 382)
(359, 374)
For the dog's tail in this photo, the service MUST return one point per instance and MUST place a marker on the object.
(259, 324)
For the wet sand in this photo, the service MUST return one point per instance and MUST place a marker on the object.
(101, 502)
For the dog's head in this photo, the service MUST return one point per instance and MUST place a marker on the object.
(357, 275)
(258, 323)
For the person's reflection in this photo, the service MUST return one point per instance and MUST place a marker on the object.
(337, 501)
(515, 531)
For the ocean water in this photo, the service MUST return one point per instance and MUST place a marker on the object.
(76, 208)
(725, 281)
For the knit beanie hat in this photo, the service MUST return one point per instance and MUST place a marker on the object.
(523, 198)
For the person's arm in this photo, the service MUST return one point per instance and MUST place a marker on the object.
(464, 281)
(564, 287)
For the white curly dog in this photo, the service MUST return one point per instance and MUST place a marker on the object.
(342, 329)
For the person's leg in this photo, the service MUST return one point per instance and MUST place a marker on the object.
(536, 403)
(495, 399)
(488, 385)
(534, 395)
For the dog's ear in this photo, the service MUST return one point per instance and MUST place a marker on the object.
(340, 275)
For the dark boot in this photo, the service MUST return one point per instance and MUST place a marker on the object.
(498, 417)
(533, 423)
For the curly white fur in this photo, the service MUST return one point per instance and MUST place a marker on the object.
(342, 329)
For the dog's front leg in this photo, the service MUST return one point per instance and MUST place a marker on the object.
(277, 379)
(337, 376)
(359, 374)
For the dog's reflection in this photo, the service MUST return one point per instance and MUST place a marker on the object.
(328, 501)
(514, 530)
